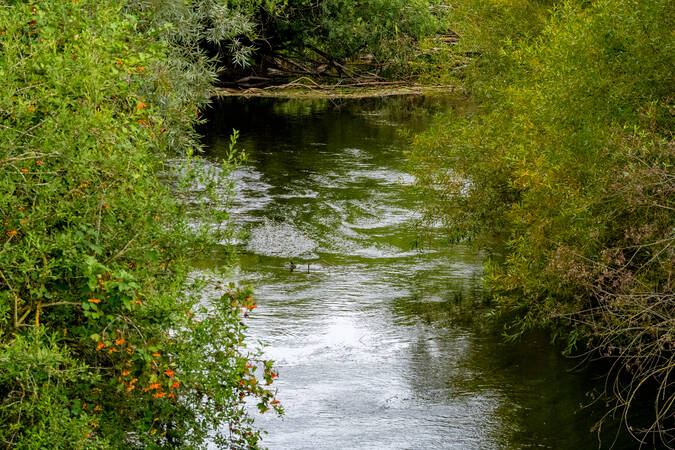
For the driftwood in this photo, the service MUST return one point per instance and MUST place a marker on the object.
(305, 87)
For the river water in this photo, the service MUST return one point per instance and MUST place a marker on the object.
(378, 336)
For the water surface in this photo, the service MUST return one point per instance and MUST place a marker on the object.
(377, 340)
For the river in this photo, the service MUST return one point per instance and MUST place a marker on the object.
(378, 335)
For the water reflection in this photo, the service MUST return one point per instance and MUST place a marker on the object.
(376, 342)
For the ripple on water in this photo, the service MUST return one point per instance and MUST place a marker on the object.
(281, 239)
(251, 193)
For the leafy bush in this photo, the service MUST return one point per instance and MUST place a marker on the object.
(385, 32)
(104, 339)
(570, 154)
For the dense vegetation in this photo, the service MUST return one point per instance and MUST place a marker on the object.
(278, 39)
(569, 153)
(104, 340)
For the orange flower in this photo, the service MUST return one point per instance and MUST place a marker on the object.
(21, 208)
(159, 394)
(120, 341)
(275, 402)
(274, 375)
(250, 307)
(39, 163)
(88, 435)
(140, 106)
(24, 170)
(131, 387)
(125, 373)
(156, 355)
(94, 300)
(100, 346)
(112, 350)
(31, 108)
(248, 366)
(12, 233)
(154, 386)
(169, 373)
(171, 395)
(175, 385)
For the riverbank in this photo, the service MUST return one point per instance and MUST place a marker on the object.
(570, 154)
(104, 339)
(307, 88)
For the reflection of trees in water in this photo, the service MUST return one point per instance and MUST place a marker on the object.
(527, 388)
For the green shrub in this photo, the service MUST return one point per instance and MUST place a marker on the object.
(570, 154)
(385, 32)
(104, 338)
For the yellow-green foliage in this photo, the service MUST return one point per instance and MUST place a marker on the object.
(570, 154)
(103, 342)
